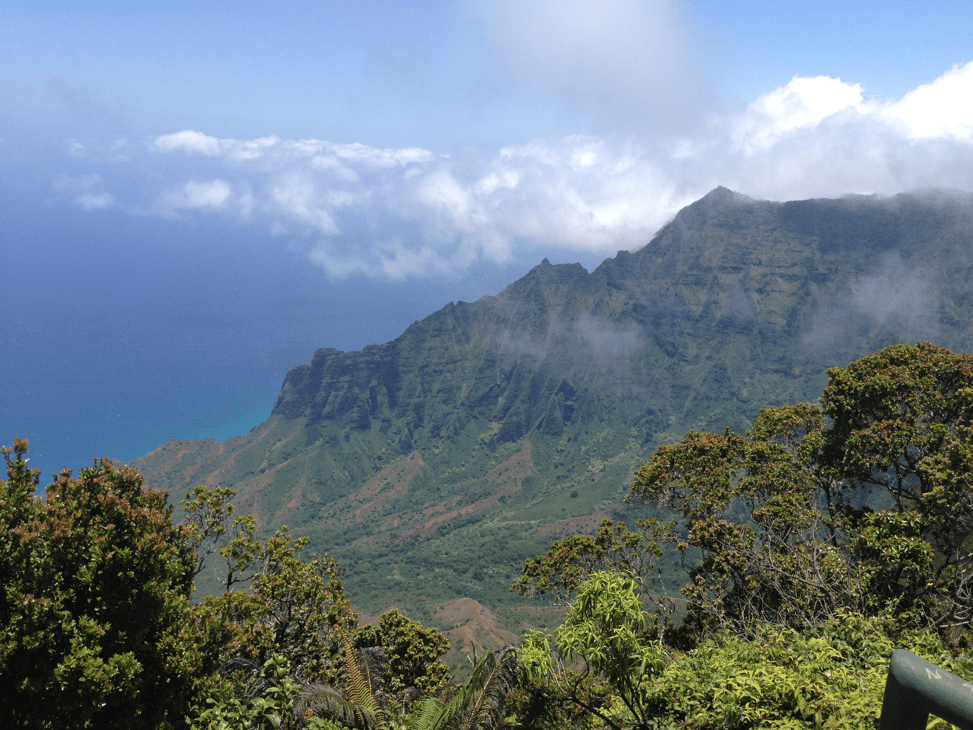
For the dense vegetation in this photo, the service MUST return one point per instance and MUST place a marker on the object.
(815, 542)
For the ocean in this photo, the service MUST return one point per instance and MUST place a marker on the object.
(121, 332)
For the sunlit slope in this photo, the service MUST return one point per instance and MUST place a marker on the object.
(432, 465)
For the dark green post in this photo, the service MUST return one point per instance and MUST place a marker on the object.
(915, 688)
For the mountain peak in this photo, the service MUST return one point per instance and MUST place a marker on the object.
(546, 272)
(715, 205)
(722, 196)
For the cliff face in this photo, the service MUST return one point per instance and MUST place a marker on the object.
(432, 465)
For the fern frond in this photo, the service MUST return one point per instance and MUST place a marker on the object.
(425, 713)
(362, 684)
(498, 673)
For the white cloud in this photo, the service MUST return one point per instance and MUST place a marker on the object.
(819, 137)
(439, 194)
(414, 212)
(943, 108)
(188, 141)
(234, 149)
(372, 157)
(298, 196)
(193, 194)
(803, 103)
(87, 190)
(115, 149)
(388, 260)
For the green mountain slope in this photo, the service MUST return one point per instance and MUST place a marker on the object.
(433, 465)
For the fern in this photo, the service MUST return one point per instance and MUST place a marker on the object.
(362, 680)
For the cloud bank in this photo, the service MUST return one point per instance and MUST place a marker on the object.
(411, 212)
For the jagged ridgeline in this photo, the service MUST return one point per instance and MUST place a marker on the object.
(433, 465)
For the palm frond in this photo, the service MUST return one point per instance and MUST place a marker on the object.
(326, 701)
(479, 704)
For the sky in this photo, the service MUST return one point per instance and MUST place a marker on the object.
(196, 195)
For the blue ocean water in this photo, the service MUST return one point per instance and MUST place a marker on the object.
(121, 332)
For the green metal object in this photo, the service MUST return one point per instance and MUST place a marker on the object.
(916, 688)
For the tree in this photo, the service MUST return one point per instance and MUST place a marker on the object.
(292, 607)
(97, 630)
(903, 425)
(366, 697)
(271, 700)
(788, 518)
(209, 527)
(606, 637)
(769, 548)
(275, 602)
(412, 655)
(95, 601)
(571, 561)
(294, 613)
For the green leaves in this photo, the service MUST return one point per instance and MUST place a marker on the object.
(903, 423)
(751, 504)
(608, 633)
(291, 608)
(267, 704)
(97, 630)
(94, 602)
(412, 655)
(576, 558)
(608, 628)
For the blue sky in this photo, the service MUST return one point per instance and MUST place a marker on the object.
(353, 166)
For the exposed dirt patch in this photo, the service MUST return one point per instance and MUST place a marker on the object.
(224, 470)
(509, 476)
(393, 481)
(366, 619)
(294, 502)
(249, 504)
(177, 463)
(445, 504)
(471, 628)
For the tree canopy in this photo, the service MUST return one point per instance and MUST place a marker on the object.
(96, 584)
(97, 629)
(862, 503)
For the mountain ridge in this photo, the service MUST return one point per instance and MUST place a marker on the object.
(495, 421)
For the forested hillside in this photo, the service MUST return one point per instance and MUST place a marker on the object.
(431, 466)
(817, 541)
